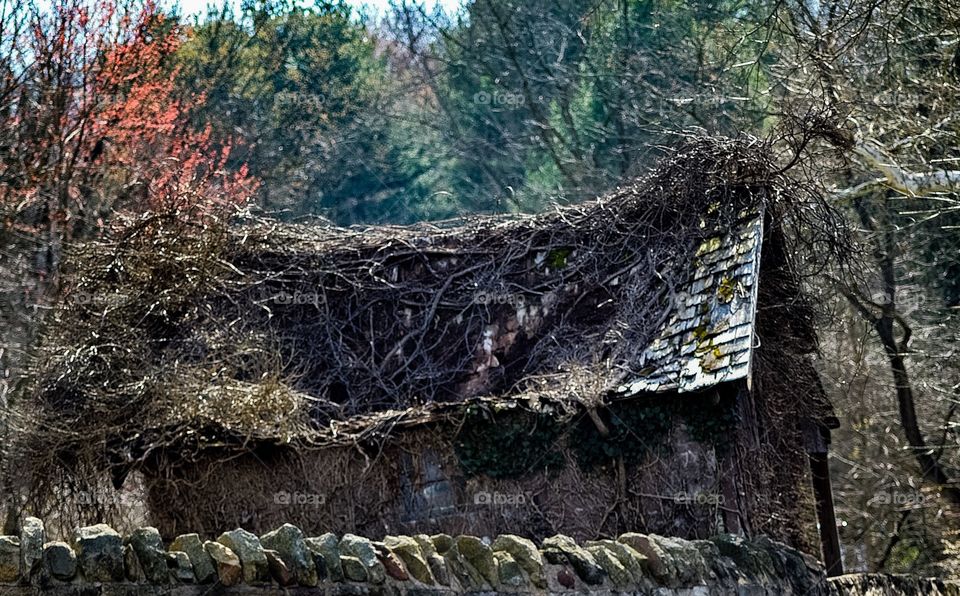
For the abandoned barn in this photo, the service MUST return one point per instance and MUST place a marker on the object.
(641, 362)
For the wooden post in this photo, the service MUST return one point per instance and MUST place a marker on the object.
(823, 493)
(728, 488)
(736, 513)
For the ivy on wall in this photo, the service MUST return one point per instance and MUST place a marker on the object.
(508, 444)
(516, 442)
(635, 429)
(709, 420)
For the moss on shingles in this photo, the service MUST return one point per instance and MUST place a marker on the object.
(726, 290)
(708, 246)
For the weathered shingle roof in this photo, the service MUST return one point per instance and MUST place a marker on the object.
(708, 337)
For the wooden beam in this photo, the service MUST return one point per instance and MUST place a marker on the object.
(736, 513)
(826, 516)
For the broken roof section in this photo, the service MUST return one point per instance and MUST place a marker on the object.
(708, 338)
(265, 329)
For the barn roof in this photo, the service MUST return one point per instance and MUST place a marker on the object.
(707, 338)
(272, 331)
(709, 335)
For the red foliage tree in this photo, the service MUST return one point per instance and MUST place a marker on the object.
(91, 127)
(91, 124)
(146, 125)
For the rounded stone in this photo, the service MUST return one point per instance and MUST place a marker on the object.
(412, 556)
(203, 569)
(229, 569)
(247, 547)
(32, 537)
(59, 560)
(525, 553)
(288, 542)
(326, 548)
(362, 549)
(99, 552)
(149, 550)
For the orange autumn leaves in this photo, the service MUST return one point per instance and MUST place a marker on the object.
(93, 125)
(148, 128)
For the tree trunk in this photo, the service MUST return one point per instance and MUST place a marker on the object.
(929, 465)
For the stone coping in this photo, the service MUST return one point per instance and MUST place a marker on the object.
(285, 561)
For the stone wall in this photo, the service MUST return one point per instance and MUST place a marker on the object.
(284, 561)
(877, 584)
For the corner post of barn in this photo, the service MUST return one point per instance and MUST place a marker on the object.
(817, 438)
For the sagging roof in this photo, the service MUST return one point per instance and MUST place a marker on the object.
(276, 330)
(707, 338)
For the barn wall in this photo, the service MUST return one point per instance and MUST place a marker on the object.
(786, 398)
(415, 484)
